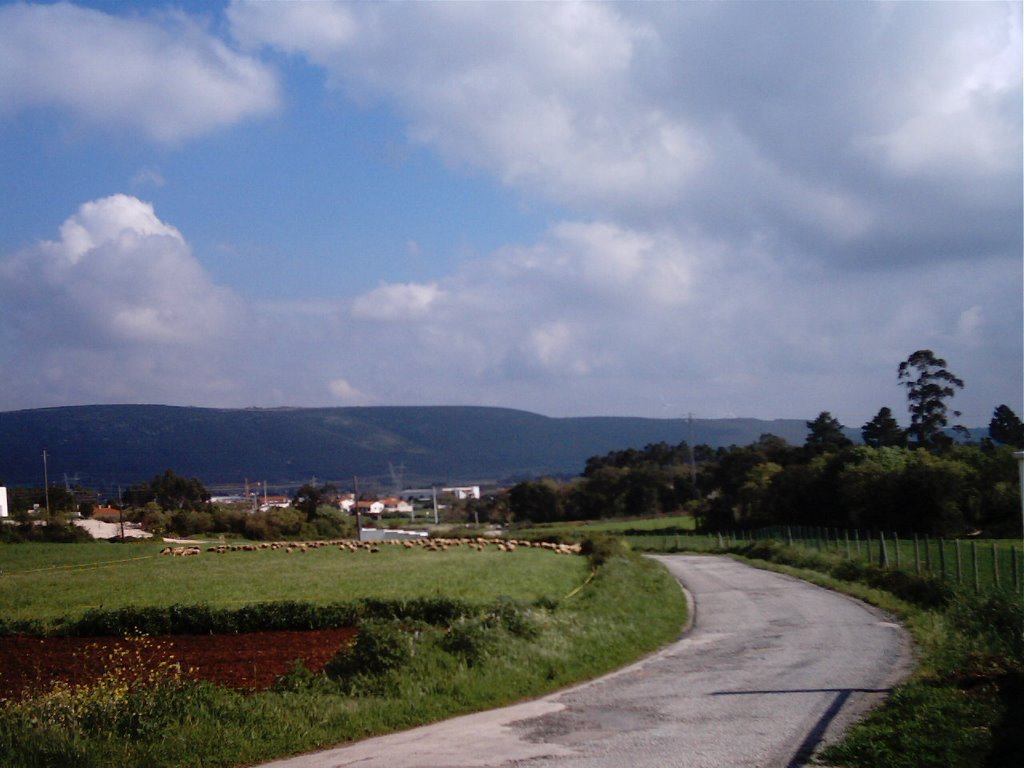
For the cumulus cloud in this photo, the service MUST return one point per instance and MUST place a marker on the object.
(116, 301)
(724, 118)
(345, 394)
(164, 75)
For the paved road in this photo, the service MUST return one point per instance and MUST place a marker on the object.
(771, 667)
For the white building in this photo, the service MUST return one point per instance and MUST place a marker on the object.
(3, 502)
(463, 492)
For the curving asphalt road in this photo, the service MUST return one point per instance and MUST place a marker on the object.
(771, 668)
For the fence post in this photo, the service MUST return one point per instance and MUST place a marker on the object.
(1013, 567)
(974, 565)
(942, 558)
(928, 555)
(917, 556)
(883, 553)
(995, 565)
(959, 564)
(846, 538)
(896, 547)
(856, 540)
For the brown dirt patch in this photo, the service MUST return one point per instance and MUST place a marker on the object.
(250, 661)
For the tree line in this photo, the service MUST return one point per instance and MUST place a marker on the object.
(929, 478)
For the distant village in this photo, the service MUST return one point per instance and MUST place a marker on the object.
(87, 511)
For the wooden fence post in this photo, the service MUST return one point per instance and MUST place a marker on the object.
(883, 553)
(974, 565)
(917, 556)
(995, 565)
(942, 558)
(896, 548)
(959, 564)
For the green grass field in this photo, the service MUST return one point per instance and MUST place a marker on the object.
(582, 528)
(61, 581)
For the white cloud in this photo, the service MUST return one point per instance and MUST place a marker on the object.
(345, 394)
(396, 300)
(960, 109)
(314, 29)
(717, 118)
(162, 75)
(118, 301)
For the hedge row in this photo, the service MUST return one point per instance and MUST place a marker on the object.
(202, 619)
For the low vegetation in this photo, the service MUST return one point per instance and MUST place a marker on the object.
(585, 616)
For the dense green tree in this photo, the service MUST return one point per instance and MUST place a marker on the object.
(1006, 427)
(883, 431)
(825, 435)
(171, 492)
(929, 385)
(307, 499)
(536, 500)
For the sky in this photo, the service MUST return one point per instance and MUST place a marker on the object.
(619, 209)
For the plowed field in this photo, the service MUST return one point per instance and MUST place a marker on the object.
(251, 661)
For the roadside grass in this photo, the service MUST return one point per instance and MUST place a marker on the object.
(398, 674)
(978, 564)
(581, 528)
(85, 576)
(962, 706)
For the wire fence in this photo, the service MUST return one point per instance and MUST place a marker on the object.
(976, 564)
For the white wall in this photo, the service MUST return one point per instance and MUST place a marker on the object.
(3, 501)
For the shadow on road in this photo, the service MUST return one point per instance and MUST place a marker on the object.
(817, 733)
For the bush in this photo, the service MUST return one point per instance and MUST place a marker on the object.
(991, 624)
(600, 548)
(472, 639)
(380, 647)
(923, 591)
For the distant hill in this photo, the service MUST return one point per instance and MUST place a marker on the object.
(103, 446)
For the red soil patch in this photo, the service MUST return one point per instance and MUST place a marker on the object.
(251, 661)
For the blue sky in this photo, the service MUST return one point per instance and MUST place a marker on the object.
(649, 209)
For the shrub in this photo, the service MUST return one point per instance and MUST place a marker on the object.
(991, 624)
(600, 548)
(380, 647)
(472, 639)
(923, 591)
(517, 619)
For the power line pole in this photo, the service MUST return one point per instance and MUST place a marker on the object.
(46, 484)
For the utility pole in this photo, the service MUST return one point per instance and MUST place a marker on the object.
(1019, 456)
(46, 484)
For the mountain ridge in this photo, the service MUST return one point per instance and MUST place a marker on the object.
(105, 446)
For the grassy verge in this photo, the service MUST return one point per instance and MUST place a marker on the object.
(582, 528)
(963, 705)
(398, 674)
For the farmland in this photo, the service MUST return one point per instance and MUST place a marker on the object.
(48, 582)
(522, 623)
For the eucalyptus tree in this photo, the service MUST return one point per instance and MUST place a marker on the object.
(929, 385)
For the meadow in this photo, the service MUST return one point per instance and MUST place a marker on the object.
(578, 528)
(53, 582)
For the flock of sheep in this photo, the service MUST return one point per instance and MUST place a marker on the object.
(350, 545)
